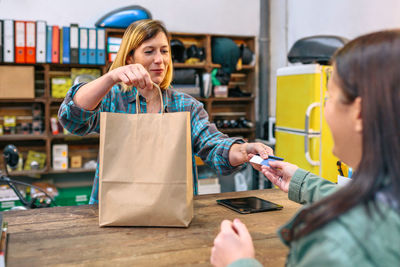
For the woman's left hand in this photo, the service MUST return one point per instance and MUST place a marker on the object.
(232, 243)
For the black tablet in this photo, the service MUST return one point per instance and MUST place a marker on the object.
(246, 205)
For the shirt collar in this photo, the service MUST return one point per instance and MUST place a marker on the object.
(131, 95)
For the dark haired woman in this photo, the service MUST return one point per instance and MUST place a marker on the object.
(357, 225)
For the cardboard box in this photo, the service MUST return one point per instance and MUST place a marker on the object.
(60, 163)
(221, 91)
(76, 162)
(60, 151)
(60, 157)
(17, 82)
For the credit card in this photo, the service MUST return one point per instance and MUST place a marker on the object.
(259, 160)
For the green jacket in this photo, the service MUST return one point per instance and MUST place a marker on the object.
(353, 239)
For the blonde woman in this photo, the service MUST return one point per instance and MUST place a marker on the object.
(144, 58)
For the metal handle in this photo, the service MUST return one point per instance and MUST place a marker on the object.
(307, 134)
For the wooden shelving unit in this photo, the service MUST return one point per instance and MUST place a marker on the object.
(45, 140)
(231, 107)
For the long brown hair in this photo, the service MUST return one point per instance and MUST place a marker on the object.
(137, 33)
(368, 67)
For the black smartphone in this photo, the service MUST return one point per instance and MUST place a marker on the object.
(246, 205)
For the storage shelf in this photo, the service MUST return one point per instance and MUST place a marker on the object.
(25, 173)
(244, 67)
(22, 137)
(23, 100)
(54, 65)
(237, 130)
(72, 136)
(72, 170)
(190, 66)
(226, 99)
(56, 100)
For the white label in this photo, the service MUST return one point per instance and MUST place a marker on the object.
(101, 39)
(30, 34)
(81, 198)
(83, 38)
(74, 37)
(20, 32)
(92, 39)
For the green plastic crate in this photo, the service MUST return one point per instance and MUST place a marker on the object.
(73, 196)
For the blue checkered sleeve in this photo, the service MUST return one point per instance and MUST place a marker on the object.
(208, 143)
(77, 120)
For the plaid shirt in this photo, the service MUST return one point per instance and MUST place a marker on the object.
(207, 142)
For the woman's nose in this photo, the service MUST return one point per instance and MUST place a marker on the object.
(158, 58)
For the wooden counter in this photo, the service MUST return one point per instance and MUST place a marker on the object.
(65, 236)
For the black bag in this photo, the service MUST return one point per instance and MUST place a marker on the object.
(188, 81)
(185, 76)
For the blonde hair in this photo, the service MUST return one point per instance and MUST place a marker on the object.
(137, 33)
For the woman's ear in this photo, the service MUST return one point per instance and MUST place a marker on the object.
(357, 114)
(129, 59)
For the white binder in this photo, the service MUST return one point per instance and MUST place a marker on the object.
(41, 41)
(8, 40)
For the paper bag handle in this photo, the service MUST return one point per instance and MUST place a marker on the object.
(159, 91)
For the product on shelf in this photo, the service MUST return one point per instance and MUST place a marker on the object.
(76, 161)
(221, 91)
(35, 160)
(54, 125)
(84, 74)
(10, 122)
(60, 157)
(60, 86)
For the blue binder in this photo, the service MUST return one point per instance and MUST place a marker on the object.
(49, 43)
(92, 46)
(66, 47)
(101, 47)
(83, 46)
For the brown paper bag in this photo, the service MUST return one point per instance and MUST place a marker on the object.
(145, 169)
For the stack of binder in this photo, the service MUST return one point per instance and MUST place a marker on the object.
(113, 44)
(36, 42)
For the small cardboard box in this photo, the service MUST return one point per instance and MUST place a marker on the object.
(76, 162)
(17, 82)
(60, 163)
(221, 91)
(60, 151)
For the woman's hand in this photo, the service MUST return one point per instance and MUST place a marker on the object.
(241, 153)
(232, 243)
(258, 148)
(90, 95)
(134, 75)
(279, 173)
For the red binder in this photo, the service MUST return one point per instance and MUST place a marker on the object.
(20, 48)
(30, 41)
(55, 55)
